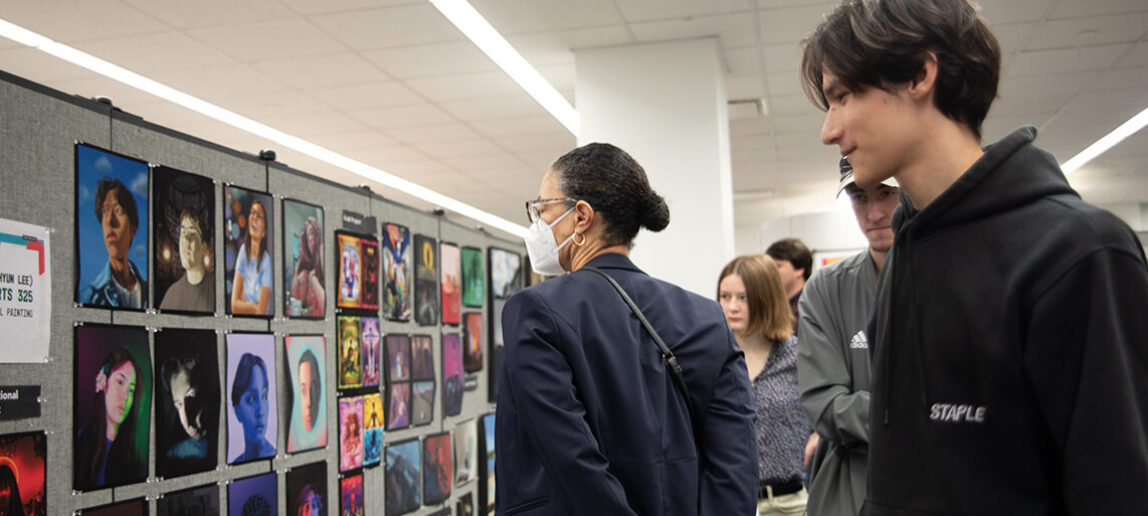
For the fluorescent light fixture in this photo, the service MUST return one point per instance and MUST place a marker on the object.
(475, 27)
(95, 64)
(1109, 140)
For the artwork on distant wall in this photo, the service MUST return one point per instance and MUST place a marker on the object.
(426, 281)
(350, 433)
(307, 428)
(197, 501)
(252, 412)
(136, 507)
(369, 295)
(183, 229)
(437, 466)
(473, 277)
(422, 402)
(187, 402)
(398, 358)
(351, 496)
(505, 280)
(350, 353)
(450, 281)
(422, 357)
(397, 272)
(253, 495)
(372, 341)
(305, 278)
(372, 429)
(452, 376)
(486, 463)
(398, 406)
(465, 452)
(403, 477)
(472, 330)
(307, 489)
(465, 505)
(112, 385)
(111, 229)
(22, 474)
(249, 275)
(350, 270)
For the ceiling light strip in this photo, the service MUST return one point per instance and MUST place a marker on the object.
(1109, 140)
(112, 71)
(475, 27)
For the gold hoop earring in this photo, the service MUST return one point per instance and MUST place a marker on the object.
(576, 242)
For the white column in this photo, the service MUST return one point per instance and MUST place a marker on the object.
(665, 104)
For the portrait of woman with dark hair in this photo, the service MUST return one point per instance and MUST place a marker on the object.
(112, 245)
(188, 408)
(252, 421)
(304, 263)
(113, 396)
(249, 219)
(307, 428)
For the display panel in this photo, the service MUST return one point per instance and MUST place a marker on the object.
(397, 272)
(112, 406)
(426, 281)
(112, 193)
(184, 248)
(307, 427)
(473, 277)
(23, 469)
(450, 283)
(304, 257)
(249, 275)
(252, 415)
(403, 477)
(187, 402)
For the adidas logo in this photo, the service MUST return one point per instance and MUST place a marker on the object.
(859, 341)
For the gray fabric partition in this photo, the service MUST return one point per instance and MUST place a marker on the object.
(38, 129)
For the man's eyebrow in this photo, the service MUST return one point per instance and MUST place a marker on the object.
(831, 88)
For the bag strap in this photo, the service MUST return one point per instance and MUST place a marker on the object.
(668, 358)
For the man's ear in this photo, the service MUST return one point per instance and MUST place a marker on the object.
(925, 82)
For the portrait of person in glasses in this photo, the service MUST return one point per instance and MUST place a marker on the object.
(195, 290)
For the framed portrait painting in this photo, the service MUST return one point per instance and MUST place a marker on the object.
(437, 468)
(183, 229)
(304, 271)
(252, 412)
(351, 496)
(307, 426)
(187, 402)
(403, 477)
(452, 375)
(112, 192)
(350, 433)
(372, 429)
(350, 357)
(249, 275)
(307, 489)
(253, 495)
(397, 269)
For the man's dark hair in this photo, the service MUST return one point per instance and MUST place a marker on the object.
(793, 251)
(197, 217)
(615, 185)
(884, 44)
(123, 196)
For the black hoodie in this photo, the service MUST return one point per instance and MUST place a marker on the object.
(1011, 350)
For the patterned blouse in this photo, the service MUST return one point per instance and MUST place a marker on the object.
(782, 428)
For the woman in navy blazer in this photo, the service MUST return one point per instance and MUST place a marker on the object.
(589, 419)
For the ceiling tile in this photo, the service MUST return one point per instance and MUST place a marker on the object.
(745, 86)
(510, 106)
(548, 48)
(313, 125)
(644, 10)
(334, 6)
(166, 51)
(785, 57)
(461, 87)
(515, 126)
(433, 60)
(1121, 79)
(742, 60)
(791, 24)
(348, 142)
(460, 149)
(1090, 31)
(1010, 11)
(367, 96)
(1135, 57)
(400, 26)
(424, 135)
(732, 30)
(211, 13)
(784, 83)
(80, 21)
(268, 40)
(1043, 62)
(322, 71)
(402, 117)
(1075, 8)
(511, 17)
(38, 66)
(1013, 36)
(788, 105)
(214, 84)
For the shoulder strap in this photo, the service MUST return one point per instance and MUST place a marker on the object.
(668, 357)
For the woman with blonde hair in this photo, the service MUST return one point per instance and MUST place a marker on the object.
(757, 311)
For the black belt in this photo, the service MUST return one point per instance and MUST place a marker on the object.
(790, 487)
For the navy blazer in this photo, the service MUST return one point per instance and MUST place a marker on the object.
(589, 421)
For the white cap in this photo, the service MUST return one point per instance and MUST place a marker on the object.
(847, 177)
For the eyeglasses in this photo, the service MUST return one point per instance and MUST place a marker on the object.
(533, 211)
(190, 233)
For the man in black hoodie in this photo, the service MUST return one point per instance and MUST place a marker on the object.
(1010, 345)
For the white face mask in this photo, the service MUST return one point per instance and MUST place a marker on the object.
(542, 248)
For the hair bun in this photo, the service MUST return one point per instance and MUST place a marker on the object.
(655, 213)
